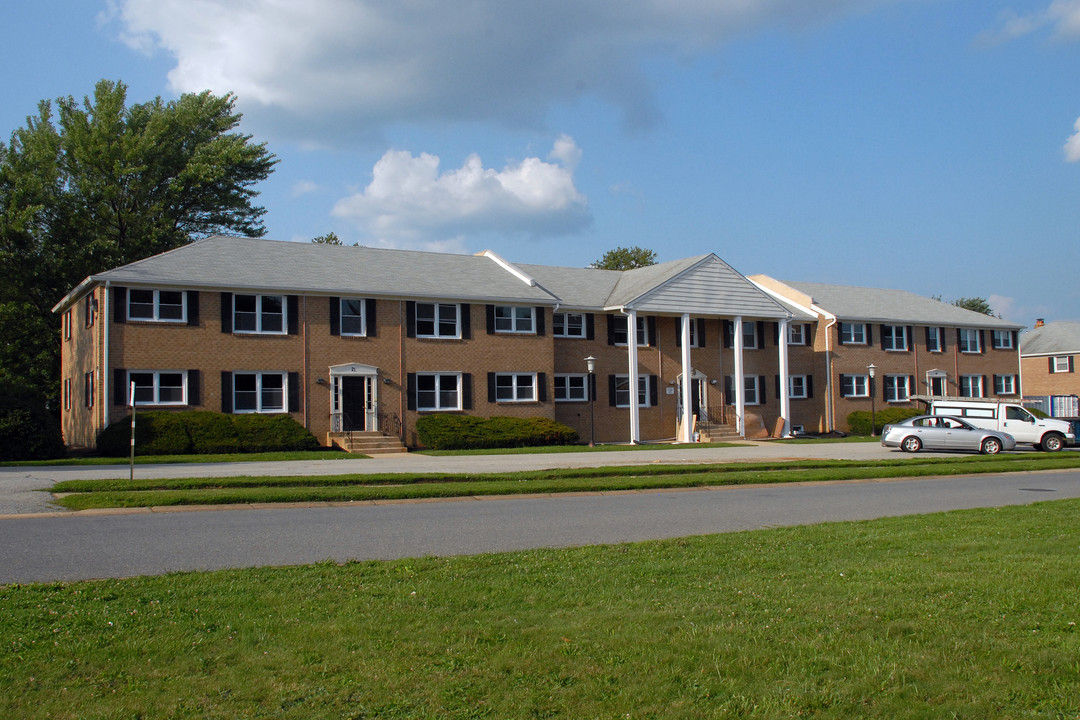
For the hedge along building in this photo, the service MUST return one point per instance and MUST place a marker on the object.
(352, 338)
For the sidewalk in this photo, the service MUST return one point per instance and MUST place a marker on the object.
(25, 490)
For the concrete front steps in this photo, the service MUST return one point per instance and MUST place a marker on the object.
(367, 443)
(717, 432)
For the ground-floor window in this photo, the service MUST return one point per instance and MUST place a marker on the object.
(259, 392)
(159, 387)
(571, 387)
(897, 388)
(1004, 384)
(438, 391)
(515, 387)
(854, 386)
(621, 391)
(971, 386)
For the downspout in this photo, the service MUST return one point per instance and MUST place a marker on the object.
(304, 376)
(830, 404)
(105, 396)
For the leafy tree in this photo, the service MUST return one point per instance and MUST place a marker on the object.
(975, 304)
(329, 238)
(622, 258)
(102, 184)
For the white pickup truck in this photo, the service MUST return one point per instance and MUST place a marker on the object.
(1010, 417)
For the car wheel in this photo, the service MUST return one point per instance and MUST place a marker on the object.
(1052, 442)
(911, 444)
(991, 446)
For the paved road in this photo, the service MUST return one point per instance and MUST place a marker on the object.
(83, 546)
(25, 489)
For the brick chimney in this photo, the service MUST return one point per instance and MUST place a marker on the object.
(1039, 322)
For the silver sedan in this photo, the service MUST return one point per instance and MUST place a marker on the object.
(941, 432)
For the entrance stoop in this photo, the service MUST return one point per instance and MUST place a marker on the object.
(367, 443)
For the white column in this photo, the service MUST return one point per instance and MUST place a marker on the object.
(687, 388)
(740, 379)
(631, 351)
(785, 401)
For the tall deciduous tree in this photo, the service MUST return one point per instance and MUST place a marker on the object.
(623, 258)
(101, 184)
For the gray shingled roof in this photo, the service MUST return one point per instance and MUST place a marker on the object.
(882, 305)
(1056, 338)
(257, 264)
(579, 288)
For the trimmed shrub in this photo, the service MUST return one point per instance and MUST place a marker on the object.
(28, 431)
(161, 432)
(859, 421)
(466, 432)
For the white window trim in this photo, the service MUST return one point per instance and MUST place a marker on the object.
(515, 320)
(259, 314)
(791, 387)
(67, 324)
(157, 307)
(899, 382)
(156, 387)
(939, 334)
(436, 306)
(259, 375)
(643, 391)
(751, 341)
(853, 326)
(758, 382)
(438, 391)
(970, 337)
(1001, 339)
(563, 380)
(642, 335)
(889, 339)
(1061, 364)
(516, 388)
(999, 384)
(563, 332)
(362, 316)
(973, 382)
(857, 380)
(802, 330)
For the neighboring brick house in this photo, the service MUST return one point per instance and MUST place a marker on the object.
(349, 338)
(918, 346)
(1048, 354)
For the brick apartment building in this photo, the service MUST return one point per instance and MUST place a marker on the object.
(350, 338)
(1048, 358)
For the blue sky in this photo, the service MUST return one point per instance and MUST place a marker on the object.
(928, 145)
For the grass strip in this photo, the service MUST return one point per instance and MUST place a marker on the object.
(969, 614)
(280, 456)
(97, 494)
(559, 449)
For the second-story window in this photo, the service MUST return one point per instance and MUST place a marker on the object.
(259, 314)
(569, 324)
(156, 305)
(970, 342)
(514, 319)
(935, 337)
(852, 333)
(438, 320)
(1002, 339)
(894, 337)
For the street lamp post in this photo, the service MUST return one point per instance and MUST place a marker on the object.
(871, 368)
(590, 362)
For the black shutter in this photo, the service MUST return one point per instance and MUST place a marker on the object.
(410, 324)
(869, 333)
(809, 386)
(928, 336)
(729, 385)
(760, 333)
(119, 298)
(650, 325)
(1051, 365)
(761, 388)
(611, 390)
(293, 304)
(541, 387)
(611, 331)
(982, 341)
(777, 385)
(701, 332)
(466, 321)
(1070, 363)
(541, 330)
(226, 314)
(466, 391)
(226, 391)
(335, 316)
(120, 386)
(776, 334)
(912, 387)
(592, 387)
(882, 336)
(194, 389)
(590, 327)
(678, 333)
(654, 383)
(491, 387)
(489, 311)
(192, 307)
(729, 336)
(369, 318)
(410, 391)
(294, 392)
(841, 384)
(1015, 339)
(943, 340)
(910, 338)
(958, 337)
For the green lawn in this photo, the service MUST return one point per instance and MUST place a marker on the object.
(967, 614)
(216, 458)
(577, 449)
(88, 494)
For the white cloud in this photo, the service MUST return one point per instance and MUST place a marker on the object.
(303, 187)
(1062, 17)
(325, 69)
(410, 203)
(1072, 145)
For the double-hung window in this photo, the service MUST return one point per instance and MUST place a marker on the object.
(1061, 364)
(934, 337)
(67, 324)
(569, 324)
(91, 310)
(622, 391)
(750, 337)
(571, 387)
(798, 387)
(897, 388)
(438, 320)
(259, 314)
(259, 392)
(159, 387)
(156, 305)
(971, 386)
(753, 387)
(438, 391)
(969, 342)
(1002, 339)
(798, 334)
(894, 337)
(515, 319)
(353, 317)
(854, 386)
(515, 387)
(67, 393)
(618, 331)
(88, 389)
(852, 333)
(1004, 384)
